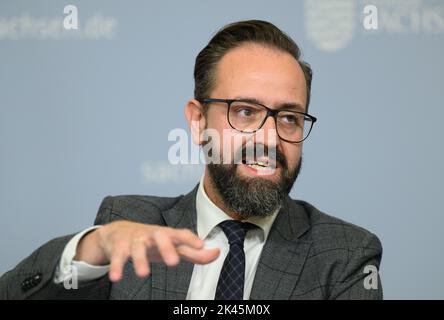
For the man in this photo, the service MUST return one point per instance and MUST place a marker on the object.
(237, 235)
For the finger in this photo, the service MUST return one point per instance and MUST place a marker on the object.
(199, 256)
(140, 260)
(118, 259)
(186, 237)
(166, 248)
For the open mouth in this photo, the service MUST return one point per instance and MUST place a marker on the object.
(260, 164)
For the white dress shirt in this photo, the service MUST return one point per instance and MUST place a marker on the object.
(205, 277)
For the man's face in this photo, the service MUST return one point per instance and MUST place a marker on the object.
(273, 78)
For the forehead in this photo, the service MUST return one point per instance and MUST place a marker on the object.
(267, 74)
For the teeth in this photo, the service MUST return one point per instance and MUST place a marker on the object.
(257, 166)
(256, 163)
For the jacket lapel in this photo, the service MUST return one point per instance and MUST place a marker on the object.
(283, 255)
(172, 283)
(279, 267)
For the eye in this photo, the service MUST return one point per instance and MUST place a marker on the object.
(289, 118)
(245, 111)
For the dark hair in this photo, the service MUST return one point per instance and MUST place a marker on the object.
(232, 36)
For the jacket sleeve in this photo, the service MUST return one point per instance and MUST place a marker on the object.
(360, 278)
(33, 278)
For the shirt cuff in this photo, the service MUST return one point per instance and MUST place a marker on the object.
(69, 268)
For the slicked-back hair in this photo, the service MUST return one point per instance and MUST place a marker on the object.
(234, 35)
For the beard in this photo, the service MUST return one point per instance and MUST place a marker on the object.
(253, 196)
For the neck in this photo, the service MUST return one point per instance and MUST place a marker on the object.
(216, 198)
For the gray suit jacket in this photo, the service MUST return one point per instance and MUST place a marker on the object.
(308, 255)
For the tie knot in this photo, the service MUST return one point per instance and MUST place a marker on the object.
(236, 230)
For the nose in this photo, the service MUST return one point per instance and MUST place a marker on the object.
(267, 135)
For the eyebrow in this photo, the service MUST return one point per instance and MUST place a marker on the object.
(282, 106)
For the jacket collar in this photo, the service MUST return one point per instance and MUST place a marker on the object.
(279, 267)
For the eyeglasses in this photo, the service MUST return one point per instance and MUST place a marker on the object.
(248, 117)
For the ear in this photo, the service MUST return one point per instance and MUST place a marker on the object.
(196, 120)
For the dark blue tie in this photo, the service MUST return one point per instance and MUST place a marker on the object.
(232, 276)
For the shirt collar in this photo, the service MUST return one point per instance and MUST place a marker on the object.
(209, 215)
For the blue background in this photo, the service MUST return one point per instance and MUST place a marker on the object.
(83, 118)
